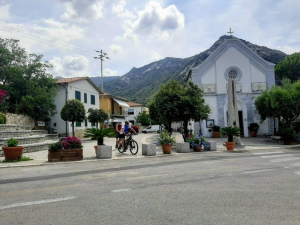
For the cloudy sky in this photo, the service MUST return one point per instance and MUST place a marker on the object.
(134, 33)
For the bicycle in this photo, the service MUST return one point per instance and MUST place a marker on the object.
(129, 142)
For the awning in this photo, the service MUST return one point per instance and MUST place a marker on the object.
(121, 103)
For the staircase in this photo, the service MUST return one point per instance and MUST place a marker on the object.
(32, 140)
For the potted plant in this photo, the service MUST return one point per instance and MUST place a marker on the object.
(230, 132)
(70, 149)
(12, 151)
(216, 131)
(197, 142)
(288, 135)
(190, 133)
(99, 134)
(253, 128)
(166, 141)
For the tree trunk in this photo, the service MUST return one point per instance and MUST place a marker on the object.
(73, 131)
(169, 128)
(230, 138)
(185, 132)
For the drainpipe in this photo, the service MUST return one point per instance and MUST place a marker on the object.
(65, 85)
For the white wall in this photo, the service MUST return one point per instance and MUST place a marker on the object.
(257, 75)
(137, 111)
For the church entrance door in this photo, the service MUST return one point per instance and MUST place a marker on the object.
(241, 122)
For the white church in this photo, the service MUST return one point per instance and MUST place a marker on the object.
(233, 59)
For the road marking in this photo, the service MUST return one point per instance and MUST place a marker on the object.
(298, 172)
(121, 190)
(36, 202)
(285, 159)
(267, 153)
(258, 171)
(295, 164)
(276, 156)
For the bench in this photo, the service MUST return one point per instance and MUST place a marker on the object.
(276, 138)
(267, 135)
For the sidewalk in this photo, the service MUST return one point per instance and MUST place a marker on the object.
(247, 144)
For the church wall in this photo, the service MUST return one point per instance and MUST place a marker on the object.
(212, 102)
(257, 75)
(210, 76)
(225, 61)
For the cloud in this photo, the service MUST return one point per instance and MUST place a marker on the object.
(69, 66)
(83, 10)
(115, 49)
(108, 72)
(156, 56)
(154, 21)
(121, 12)
(4, 12)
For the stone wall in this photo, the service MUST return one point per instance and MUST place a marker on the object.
(21, 120)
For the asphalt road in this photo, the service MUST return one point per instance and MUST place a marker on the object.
(257, 187)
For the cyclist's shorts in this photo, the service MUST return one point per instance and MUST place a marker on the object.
(121, 136)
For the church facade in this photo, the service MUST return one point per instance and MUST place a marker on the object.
(233, 59)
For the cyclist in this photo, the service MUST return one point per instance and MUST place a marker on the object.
(118, 129)
(128, 128)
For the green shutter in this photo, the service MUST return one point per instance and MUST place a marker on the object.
(78, 95)
(85, 97)
(86, 123)
(78, 124)
(93, 99)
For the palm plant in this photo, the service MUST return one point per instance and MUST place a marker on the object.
(99, 134)
(230, 132)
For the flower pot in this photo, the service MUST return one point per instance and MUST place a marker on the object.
(230, 146)
(166, 148)
(12, 153)
(253, 133)
(65, 155)
(197, 148)
(216, 134)
(289, 142)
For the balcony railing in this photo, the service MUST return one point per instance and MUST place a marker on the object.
(118, 113)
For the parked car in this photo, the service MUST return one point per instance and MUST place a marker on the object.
(152, 128)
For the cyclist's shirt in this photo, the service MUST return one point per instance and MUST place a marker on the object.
(126, 129)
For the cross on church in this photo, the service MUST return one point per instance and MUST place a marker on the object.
(230, 31)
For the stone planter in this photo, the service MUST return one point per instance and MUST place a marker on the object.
(65, 155)
(183, 147)
(149, 149)
(104, 152)
(12, 153)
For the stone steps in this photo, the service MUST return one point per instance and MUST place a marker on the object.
(11, 127)
(20, 133)
(30, 139)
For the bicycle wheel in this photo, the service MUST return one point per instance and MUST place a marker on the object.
(133, 146)
(120, 149)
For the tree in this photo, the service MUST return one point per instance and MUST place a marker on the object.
(97, 116)
(31, 90)
(175, 102)
(280, 102)
(73, 111)
(143, 119)
(289, 67)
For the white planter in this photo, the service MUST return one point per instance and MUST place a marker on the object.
(104, 152)
(183, 147)
(149, 149)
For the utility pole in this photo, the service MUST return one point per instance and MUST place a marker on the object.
(101, 56)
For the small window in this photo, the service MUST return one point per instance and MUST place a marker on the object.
(78, 124)
(78, 95)
(93, 99)
(85, 123)
(93, 124)
(130, 111)
(85, 97)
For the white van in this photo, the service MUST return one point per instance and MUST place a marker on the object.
(152, 128)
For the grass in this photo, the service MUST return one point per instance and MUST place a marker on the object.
(22, 158)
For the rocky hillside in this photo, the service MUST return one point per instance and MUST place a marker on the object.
(139, 84)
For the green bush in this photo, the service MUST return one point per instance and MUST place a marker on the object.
(253, 127)
(55, 146)
(12, 143)
(216, 128)
(296, 125)
(287, 133)
(2, 118)
(230, 132)
(165, 138)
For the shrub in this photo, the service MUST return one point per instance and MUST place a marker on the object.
(165, 138)
(2, 118)
(55, 146)
(287, 133)
(253, 127)
(216, 128)
(71, 143)
(12, 142)
(196, 141)
(230, 132)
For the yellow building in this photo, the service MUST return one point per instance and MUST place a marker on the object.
(116, 107)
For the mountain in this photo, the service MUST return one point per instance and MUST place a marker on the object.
(97, 80)
(139, 84)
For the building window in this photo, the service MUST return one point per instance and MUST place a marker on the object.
(85, 97)
(233, 72)
(85, 123)
(93, 100)
(93, 124)
(120, 108)
(130, 111)
(78, 124)
(78, 95)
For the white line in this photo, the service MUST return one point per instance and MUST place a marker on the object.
(36, 202)
(266, 153)
(258, 171)
(276, 156)
(285, 159)
(298, 172)
(295, 164)
(121, 190)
